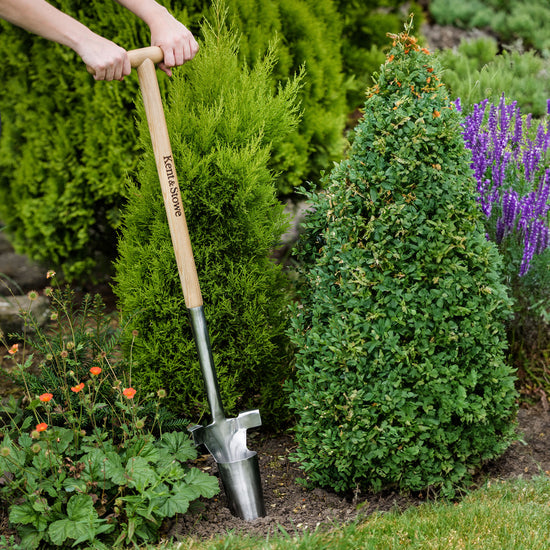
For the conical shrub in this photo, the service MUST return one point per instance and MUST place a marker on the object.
(401, 378)
(224, 121)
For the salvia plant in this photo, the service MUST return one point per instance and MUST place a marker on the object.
(510, 163)
(512, 172)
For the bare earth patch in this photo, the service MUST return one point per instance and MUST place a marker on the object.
(290, 506)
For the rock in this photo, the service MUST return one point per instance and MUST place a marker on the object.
(18, 274)
(296, 212)
(13, 310)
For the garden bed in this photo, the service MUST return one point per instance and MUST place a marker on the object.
(290, 506)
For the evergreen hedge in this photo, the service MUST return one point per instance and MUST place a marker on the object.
(224, 121)
(68, 141)
(401, 379)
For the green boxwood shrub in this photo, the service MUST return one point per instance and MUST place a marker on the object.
(68, 141)
(401, 378)
(224, 121)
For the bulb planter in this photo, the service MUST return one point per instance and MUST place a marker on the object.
(225, 438)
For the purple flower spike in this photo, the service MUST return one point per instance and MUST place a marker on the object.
(512, 175)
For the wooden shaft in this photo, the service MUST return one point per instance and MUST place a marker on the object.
(169, 182)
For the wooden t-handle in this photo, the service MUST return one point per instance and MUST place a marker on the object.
(137, 57)
(145, 60)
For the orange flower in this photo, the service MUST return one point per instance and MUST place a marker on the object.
(13, 349)
(76, 389)
(436, 114)
(45, 397)
(129, 392)
(42, 427)
(430, 70)
(95, 370)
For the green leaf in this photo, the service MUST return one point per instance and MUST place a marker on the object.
(62, 529)
(30, 537)
(197, 484)
(100, 526)
(61, 439)
(71, 485)
(176, 504)
(25, 513)
(179, 444)
(81, 508)
(113, 468)
(140, 475)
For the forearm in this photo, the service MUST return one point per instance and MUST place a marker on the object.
(43, 19)
(147, 10)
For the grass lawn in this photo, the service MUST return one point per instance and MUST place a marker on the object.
(510, 515)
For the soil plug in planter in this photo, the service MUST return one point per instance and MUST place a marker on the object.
(225, 438)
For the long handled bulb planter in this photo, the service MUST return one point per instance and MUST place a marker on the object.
(225, 438)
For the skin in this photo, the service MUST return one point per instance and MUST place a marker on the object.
(106, 60)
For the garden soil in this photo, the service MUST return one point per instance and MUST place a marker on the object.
(292, 507)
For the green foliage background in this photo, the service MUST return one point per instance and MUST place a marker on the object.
(476, 70)
(68, 142)
(401, 378)
(224, 120)
(524, 20)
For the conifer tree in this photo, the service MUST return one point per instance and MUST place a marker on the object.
(224, 121)
(401, 379)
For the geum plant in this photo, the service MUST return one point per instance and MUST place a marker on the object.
(89, 464)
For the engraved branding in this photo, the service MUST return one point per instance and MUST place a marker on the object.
(172, 184)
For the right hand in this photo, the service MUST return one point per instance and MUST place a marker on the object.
(105, 59)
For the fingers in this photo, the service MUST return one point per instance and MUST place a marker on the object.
(105, 59)
(177, 43)
(112, 69)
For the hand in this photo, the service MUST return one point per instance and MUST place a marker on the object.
(175, 40)
(105, 60)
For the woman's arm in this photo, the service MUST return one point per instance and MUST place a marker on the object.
(107, 60)
(175, 40)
